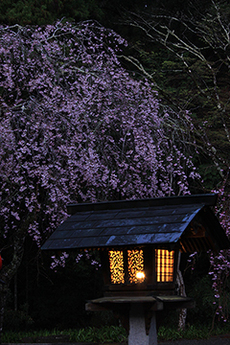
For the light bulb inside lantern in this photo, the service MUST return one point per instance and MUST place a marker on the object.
(140, 275)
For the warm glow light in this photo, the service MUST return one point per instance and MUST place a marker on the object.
(135, 265)
(164, 265)
(131, 271)
(140, 275)
(116, 262)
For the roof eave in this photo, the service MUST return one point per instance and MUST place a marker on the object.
(205, 199)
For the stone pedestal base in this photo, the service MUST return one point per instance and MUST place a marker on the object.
(137, 327)
(138, 313)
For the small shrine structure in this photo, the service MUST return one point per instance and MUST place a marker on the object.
(140, 243)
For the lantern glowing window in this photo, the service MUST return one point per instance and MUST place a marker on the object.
(126, 267)
(135, 266)
(164, 265)
(116, 263)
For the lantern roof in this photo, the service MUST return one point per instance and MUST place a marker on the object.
(187, 222)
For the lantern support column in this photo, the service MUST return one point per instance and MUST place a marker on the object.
(137, 326)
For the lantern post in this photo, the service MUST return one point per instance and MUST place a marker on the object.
(140, 243)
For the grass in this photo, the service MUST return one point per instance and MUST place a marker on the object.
(108, 334)
(191, 332)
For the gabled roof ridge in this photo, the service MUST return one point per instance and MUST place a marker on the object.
(205, 199)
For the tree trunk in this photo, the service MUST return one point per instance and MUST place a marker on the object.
(181, 287)
(3, 290)
(16, 292)
(8, 272)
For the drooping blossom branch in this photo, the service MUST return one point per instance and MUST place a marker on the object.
(74, 125)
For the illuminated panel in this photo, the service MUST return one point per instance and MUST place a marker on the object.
(116, 262)
(136, 266)
(164, 265)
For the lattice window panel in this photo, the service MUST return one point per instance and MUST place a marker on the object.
(164, 265)
(135, 266)
(116, 262)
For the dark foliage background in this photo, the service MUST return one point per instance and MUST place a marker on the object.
(41, 298)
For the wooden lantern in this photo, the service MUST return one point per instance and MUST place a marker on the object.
(140, 242)
(139, 271)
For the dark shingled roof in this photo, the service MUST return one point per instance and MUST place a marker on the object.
(138, 222)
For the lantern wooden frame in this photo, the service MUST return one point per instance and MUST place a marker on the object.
(150, 285)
